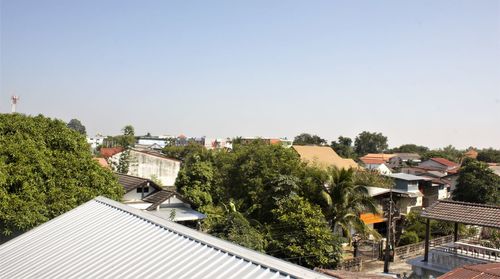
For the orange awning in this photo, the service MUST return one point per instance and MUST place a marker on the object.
(370, 218)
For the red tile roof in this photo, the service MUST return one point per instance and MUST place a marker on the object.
(480, 271)
(445, 162)
(107, 152)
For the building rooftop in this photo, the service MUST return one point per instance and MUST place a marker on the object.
(130, 182)
(480, 271)
(445, 162)
(324, 156)
(104, 238)
(464, 212)
(407, 177)
(107, 152)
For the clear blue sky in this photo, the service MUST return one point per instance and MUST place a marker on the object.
(424, 72)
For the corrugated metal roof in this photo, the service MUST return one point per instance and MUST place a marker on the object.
(105, 239)
(407, 177)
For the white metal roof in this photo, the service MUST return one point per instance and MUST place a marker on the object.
(407, 177)
(105, 239)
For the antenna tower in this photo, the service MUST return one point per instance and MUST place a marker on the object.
(14, 100)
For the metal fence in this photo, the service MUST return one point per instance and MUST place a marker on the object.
(354, 264)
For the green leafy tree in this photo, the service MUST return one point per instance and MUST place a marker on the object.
(46, 169)
(489, 155)
(343, 147)
(410, 148)
(477, 183)
(76, 125)
(308, 139)
(345, 202)
(123, 162)
(236, 227)
(195, 181)
(367, 142)
(372, 178)
(449, 152)
(182, 152)
(301, 234)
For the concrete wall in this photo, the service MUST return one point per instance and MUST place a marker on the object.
(151, 166)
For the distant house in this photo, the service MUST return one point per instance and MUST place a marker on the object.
(378, 156)
(95, 141)
(166, 203)
(404, 200)
(403, 159)
(220, 143)
(150, 164)
(323, 156)
(376, 164)
(471, 153)
(439, 164)
(432, 188)
(151, 141)
(275, 141)
(108, 152)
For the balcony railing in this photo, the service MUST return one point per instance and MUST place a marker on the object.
(471, 250)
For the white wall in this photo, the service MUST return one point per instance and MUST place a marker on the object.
(149, 166)
(134, 196)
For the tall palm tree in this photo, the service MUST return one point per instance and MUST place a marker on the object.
(345, 202)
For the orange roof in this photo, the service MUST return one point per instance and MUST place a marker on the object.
(471, 154)
(378, 156)
(370, 218)
(102, 162)
(107, 152)
(372, 161)
(324, 156)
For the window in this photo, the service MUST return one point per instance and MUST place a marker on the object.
(140, 189)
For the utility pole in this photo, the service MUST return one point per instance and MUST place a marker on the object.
(387, 245)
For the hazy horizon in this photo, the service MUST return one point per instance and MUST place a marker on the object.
(422, 72)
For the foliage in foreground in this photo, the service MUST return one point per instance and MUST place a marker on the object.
(46, 169)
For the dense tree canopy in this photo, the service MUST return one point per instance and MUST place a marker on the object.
(46, 169)
(279, 201)
(265, 191)
(308, 139)
(449, 152)
(489, 155)
(343, 147)
(477, 183)
(76, 125)
(367, 142)
(410, 148)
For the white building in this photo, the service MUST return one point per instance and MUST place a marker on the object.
(95, 141)
(145, 194)
(151, 165)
